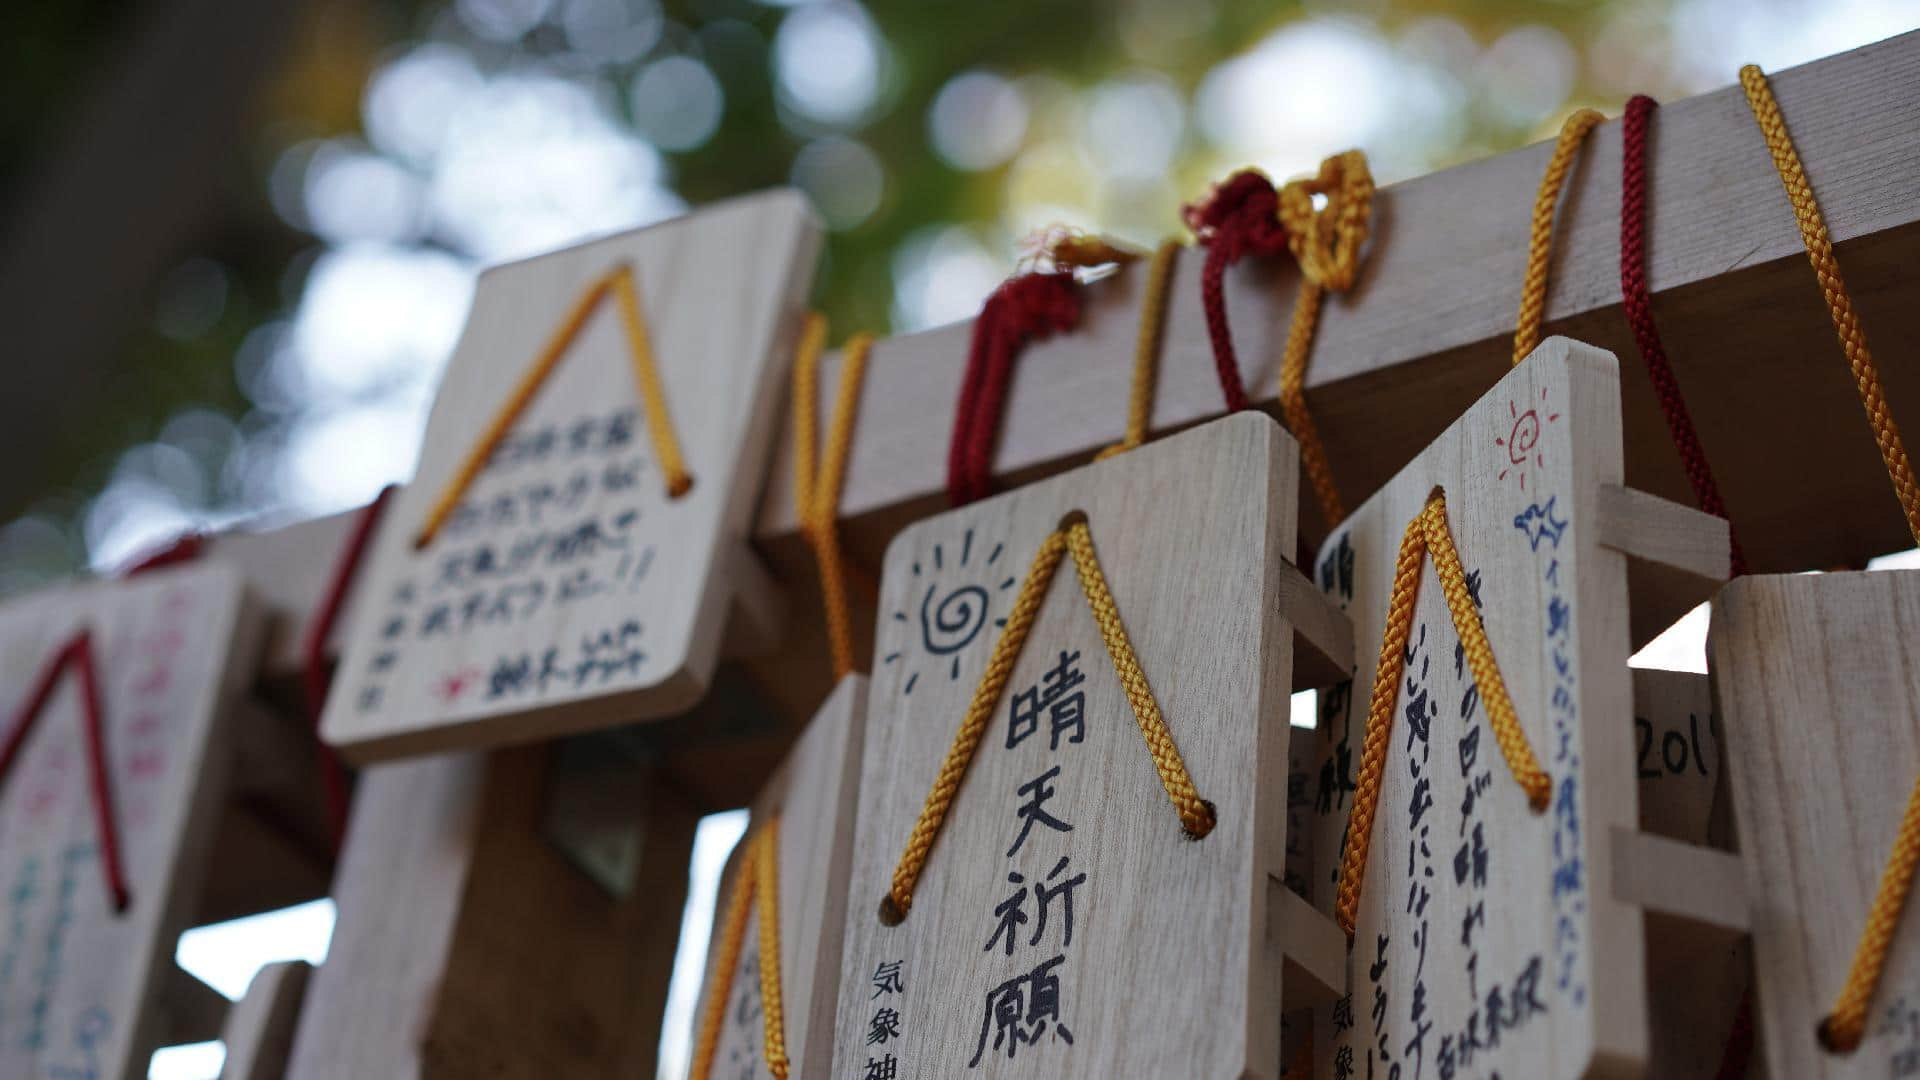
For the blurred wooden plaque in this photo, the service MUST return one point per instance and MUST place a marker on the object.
(1065, 923)
(1490, 938)
(813, 796)
(83, 989)
(569, 589)
(1822, 707)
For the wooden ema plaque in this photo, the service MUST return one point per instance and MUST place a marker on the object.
(86, 991)
(1065, 923)
(573, 586)
(1491, 938)
(813, 798)
(1821, 700)
(1696, 976)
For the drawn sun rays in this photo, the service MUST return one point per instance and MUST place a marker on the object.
(950, 614)
(1522, 443)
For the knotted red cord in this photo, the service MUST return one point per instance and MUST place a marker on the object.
(1239, 217)
(315, 671)
(1639, 308)
(78, 652)
(1025, 308)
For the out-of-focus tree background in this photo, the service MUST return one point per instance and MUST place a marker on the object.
(240, 236)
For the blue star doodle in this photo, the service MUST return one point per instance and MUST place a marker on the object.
(1540, 523)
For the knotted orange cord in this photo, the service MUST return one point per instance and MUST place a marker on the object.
(1326, 243)
(1427, 534)
(756, 884)
(1844, 1027)
(1196, 814)
(817, 485)
(653, 398)
(1533, 287)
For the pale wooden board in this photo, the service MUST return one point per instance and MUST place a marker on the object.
(288, 568)
(1429, 325)
(1554, 601)
(259, 1029)
(815, 796)
(570, 592)
(1677, 759)
(1820, 700)
(81, 988)
(467, 945)
(1173, 968)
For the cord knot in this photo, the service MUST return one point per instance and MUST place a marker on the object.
(1239, 217)
(1326, 241)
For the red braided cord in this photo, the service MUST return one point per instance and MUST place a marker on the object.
(316, 673)
(1023, 309)
(182, 549)
(1240, 217)
(1639, 308)
(78, 651)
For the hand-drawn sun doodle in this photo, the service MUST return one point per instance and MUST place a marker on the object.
(1522, 443)
(950, 614)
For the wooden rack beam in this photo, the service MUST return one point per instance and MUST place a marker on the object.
(1428, 328)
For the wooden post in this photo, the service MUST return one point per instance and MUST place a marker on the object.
(1489, 933)
(1066, 923)
(467, 944)
(259, 1028)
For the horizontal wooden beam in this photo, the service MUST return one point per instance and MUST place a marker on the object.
(1424, 333)
(1427, 328)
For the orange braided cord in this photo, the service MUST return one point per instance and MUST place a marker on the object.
(726, 959)
(817, 485)
(1326, 243)
(766, 857)
(1844, 1027)
(653, 398)
(1533, 288)
(1146, 348)
(1846, 1024)
(986, 698)
(756, 888)
(1853, 339)
(1427, 534)
(1196, 814)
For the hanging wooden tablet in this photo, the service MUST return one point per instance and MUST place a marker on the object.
(1497, 903)
(806, 813)
(1821, 702)
(468, 945)
(580, 571)
(1695, 980)
(86, 984)
(1065, 921)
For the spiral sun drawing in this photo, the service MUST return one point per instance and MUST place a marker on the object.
(1521, 444)
(953, 607)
